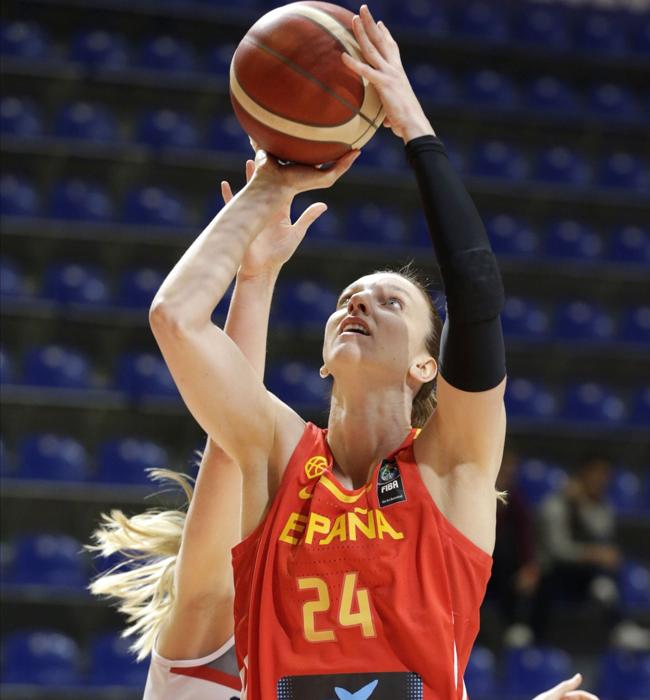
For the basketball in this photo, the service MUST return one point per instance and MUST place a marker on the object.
(292, 93)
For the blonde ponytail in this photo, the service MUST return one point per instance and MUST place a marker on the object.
(142, 584)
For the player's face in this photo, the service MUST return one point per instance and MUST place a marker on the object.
(381, 322)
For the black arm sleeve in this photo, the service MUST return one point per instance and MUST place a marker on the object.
(472, 354)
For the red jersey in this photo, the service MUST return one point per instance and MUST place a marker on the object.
(365, 593)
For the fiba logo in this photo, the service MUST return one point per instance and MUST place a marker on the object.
(315, 466)
(388, 471)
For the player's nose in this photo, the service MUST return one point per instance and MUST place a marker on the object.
(359, 303)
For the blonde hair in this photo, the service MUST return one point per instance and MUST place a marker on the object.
(142, 583)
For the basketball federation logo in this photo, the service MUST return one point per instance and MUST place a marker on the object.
(315, 466)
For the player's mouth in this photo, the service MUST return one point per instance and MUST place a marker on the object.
(352, 324)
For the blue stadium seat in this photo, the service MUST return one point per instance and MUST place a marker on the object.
(481, 20)
(544, 26)
(167, 53)
(538, 479)
(6, 368)
(86, 121)
(640, 35)
(641, 407)
(297, 384)
(624, 674)
(524, 319)
(489, 88)
(480, 674)
(24, 40)
(48, 559)
(20, 117)
(599, 33)
(12, 280)
(550, 94)
(218, 59)
(580, 320)
(630, 244)
(531, 400)
(377, 225)
(511, 236)
(634, 583)
(56, 366)
(590, 402)
(383, 151)
(624, 170)
(635, 326)
(144, 374)
(124, 460)
(562, 166)
(227, 135)
(433, 83)
(498, 159)
(138, 287)
(167, 128)
(612, 101)
(69, 283)
(625, 491)
(80, 200)
(100, 49)
(567, 238)
(41, 657)
(532, 670)
(303, 305)
(50, 456)
(154, 206)
(18, 197)
(111, 663)
(419, 14)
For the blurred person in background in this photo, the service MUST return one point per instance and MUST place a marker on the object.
(515, 571)
(577, 540)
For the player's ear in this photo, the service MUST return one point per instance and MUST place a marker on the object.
(324, 372)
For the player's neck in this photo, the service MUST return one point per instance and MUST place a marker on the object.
(364, 427)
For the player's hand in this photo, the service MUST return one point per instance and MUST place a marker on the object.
(567, 691)
(291, 179)
(383, 68)
(277, 242)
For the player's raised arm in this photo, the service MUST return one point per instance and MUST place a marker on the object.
(216, 381)
(201, 617)
(466, 433)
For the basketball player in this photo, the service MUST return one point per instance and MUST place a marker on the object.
(367, 552)
(177, 591)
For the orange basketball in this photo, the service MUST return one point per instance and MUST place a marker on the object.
(292, 93)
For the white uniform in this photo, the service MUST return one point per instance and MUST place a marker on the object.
(214, 677)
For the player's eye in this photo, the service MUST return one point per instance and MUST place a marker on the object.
(395, 301)
(344, 300)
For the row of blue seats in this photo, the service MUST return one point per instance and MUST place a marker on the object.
(486, 158)
(628, 492)
(140, 375)
(53, 457)
(371, 223)
(307, 305)
(543, 94)
(622, 675)
(584, 403)
(45, 657)
(551, 28)
(58, 561)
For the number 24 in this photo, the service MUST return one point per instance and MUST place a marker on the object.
(347, 618)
